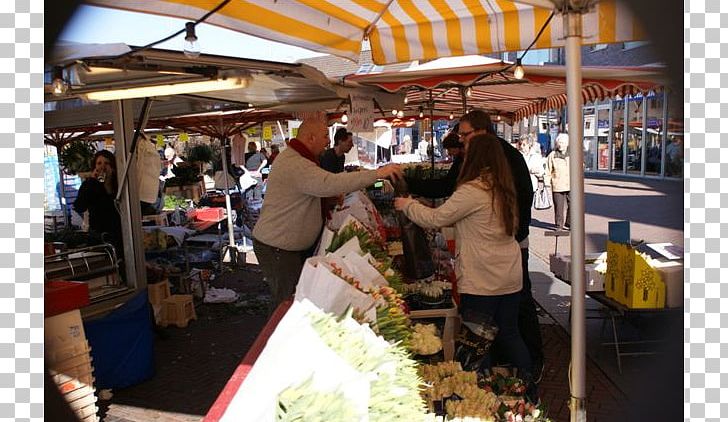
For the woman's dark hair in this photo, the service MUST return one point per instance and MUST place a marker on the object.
(485, 160)
(109, 156)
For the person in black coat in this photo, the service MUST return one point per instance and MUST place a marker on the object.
(440, 188)
(477, 122)
(96, 195)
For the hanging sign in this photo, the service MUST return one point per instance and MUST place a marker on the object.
(294, 132)
(184, 137)
(267, 133)
(361, 118)
(160, 140)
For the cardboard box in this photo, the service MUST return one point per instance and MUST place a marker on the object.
(63, 330)
(594, 279)
(560, 264)
(673, 275)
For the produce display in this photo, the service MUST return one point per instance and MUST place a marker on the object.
(425, 340)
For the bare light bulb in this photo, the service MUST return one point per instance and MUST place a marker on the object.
(400, 114)
(469, 92)
(452, 116)
(422, 114)
(344, 118)
(394, 112)
(405, 100)
(58, 85)
(191, 45)
(518, 72)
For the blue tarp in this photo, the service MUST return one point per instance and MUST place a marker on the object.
(122, 344)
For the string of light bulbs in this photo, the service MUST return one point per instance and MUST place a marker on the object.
(190, 48)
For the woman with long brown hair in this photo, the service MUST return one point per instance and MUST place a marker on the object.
(484, 211)
(96, 195)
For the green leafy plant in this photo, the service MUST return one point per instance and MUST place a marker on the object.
(76, 157)
(201, 153)
(185, 173)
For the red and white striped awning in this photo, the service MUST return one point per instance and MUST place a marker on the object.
(495, 89)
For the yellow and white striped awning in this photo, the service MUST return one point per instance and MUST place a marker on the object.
(398, 30)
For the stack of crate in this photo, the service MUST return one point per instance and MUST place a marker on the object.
(68, 357)
(157, 293)
(170, 309)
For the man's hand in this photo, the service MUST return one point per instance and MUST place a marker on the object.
(401, 203)
(390, 171)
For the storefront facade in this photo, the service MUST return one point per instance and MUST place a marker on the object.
(641, 135)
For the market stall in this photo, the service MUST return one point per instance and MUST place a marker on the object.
(370, 334)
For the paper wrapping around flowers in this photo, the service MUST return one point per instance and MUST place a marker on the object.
(293, 354)
(329, 292)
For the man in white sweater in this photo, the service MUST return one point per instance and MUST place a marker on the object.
(291, 219)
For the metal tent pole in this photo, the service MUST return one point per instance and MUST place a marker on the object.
(573, 30)
(228, 206)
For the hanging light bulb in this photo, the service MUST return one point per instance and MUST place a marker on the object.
(405, 99)
(344, 118)
(518, 73)
(469, 92)
(497, 118)
(191, 46)
(58, 85)
(422, 113)
(452, 116)
(400, 114)
(394, 112)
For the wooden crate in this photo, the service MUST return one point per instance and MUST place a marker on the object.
(177, 310)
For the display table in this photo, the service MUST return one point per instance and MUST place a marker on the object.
(241, 372)
(613, 310)
(449, 331)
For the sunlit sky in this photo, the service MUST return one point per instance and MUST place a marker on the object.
(93, 24)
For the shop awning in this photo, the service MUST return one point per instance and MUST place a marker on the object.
(494, 87)
(273, 88)
(399, 30)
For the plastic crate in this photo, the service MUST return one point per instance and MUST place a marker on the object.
(177, 310)
(63, 296)
(158, 292)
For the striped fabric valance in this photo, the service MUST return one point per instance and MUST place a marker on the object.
(398, 30)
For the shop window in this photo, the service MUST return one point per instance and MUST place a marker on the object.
(618, 137)
(674, 152)
(635, 129)
(654, 135)
(603, 125)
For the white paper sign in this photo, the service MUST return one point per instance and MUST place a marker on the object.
(361, 118)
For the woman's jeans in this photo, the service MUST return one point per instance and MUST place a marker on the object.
(504, 310)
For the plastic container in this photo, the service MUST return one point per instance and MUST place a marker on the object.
(63, 296)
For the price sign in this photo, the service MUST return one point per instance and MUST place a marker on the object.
(361, 118)
(184, 137)
(267, 133)
(160, 140)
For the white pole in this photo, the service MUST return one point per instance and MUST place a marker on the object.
(572, 23)
(228, 207)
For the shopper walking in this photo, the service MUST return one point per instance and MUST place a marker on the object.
(557, 166)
